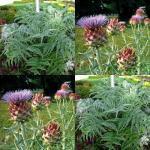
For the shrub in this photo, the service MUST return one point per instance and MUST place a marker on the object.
(40, 43)
(7, 13)
(83, 88)
(114, 118)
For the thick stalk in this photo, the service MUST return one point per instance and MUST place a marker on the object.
(23, 136)
(98, 59)
(49, 114)
(138, 66)
(64, 140)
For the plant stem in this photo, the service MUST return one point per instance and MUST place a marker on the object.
(138, 66)
(63, 140)
(98, 59)
(23, 136)
(50, 116)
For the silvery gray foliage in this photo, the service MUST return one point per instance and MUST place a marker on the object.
(69, 66)
(145, 140)
(41, 43)
(7, 30)
(83, 105)
(115, 116)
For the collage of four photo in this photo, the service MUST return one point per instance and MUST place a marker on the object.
(74, 75)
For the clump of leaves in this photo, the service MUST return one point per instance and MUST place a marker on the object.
(40, 43)
(114, 118)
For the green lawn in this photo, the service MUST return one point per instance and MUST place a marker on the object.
(119, 43)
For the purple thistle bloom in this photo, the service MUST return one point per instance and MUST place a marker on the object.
(17, 96)
(93, 21)
(137, 17)
(63, 92)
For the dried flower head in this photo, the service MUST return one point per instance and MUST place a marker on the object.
(126, 59)
(74, 96)
(64, 92)
(37, 100)
(20, 111)
(2, 21)
(65, 86)
(58, 96)
(19, 108)
(46, 100)
(136, 19)
(70, 65)
(140, 11)
(94, 27)
(51, 132)
(145, 140)
(147, 21)
(114, 26)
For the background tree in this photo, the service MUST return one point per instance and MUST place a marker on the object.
(124, 8)
(50, 84)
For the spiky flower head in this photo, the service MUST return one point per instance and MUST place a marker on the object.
(115, 25)
(65, 86)
(140, 11)
(19, 108)
(126, 59)
(62, 94)
(64, 91)
(17, 96)
(136, 19)
(147, 21)
(39, 100)
(74, 96)
(94, 27)
(20, 112)
(51, 132)
(58, 96)
(46, 100)
(93, 22)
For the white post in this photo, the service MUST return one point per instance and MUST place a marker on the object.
(112, 78)
(37, 5)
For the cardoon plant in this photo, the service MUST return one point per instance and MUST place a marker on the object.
(114, 117)
(95, 35)
(64, 92)
(95, 32)
(51, 132)
(138, 17)
(19, 108)
(126, 59)
(37, 100)
(114, 25)
(20, 112)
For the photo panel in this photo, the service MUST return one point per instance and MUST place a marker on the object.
(37, 112)
(113, 112)
(37, 37)
(112, 37)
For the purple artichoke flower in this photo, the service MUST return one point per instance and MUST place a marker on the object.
(139, 18)
(17, 96)
(93, 21)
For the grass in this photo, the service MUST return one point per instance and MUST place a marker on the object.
(6, 140)
(119, 43)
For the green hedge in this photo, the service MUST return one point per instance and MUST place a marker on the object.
(7, 13)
